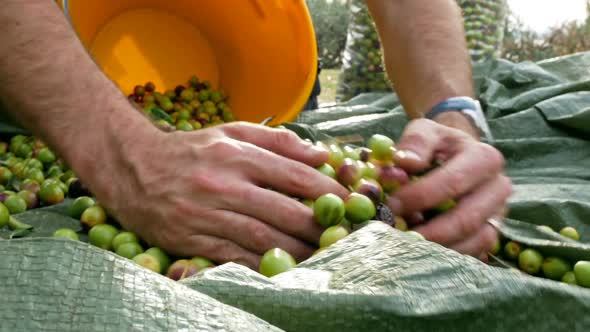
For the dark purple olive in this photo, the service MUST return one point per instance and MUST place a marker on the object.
(391, 178)
(365, 154)
(150, 87)
(4, 195)
(348, 173)
(77, 189)
(178, 90)
(369, 188)
(139, 91)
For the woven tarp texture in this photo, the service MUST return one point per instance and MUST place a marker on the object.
(376, 279)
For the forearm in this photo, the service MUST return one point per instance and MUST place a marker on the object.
(425, 53)
(51, 85)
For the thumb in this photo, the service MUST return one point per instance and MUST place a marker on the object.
(417, 145)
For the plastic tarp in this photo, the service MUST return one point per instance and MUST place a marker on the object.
(376, 279)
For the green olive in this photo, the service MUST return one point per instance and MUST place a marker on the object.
(79, 205)
(54, 171)
(555, 267)
(276, 261)
(66, 233)
(359, 208)
(328, 170)
(124, 237)
(381, 147)
(148, 261)
(570, 232)
(129, 250)
(328, 210)
(24, 151)
(184, 125)
(35, 175)
(94, 215)
(512, 249)
(530, 261)
(45, 156)
(102, 236)
(15, 204)
(161, 256)
(582, 272)
(51, 194)
(201, 263)
(332, 235)
(4, 215)
(5, 175)
(569, 278)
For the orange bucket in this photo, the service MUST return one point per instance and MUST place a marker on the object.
(262, 53)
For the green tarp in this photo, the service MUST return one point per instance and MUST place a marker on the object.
(377, 279)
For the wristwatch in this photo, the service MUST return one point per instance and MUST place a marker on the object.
(469, 107)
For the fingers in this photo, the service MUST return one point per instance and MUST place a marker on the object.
(472, 211)
(217, 249)
(288, 176)
(473, 164)
(281, 212)
(417, 145)
(280, 141)
(479, 244)
(254, 235)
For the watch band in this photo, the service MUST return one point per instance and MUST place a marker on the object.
(467, 106)
(452, 104)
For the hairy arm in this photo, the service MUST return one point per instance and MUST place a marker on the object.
(426, 55)
(52, 86)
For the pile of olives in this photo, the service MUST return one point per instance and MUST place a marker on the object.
(370, 174)
(484, 27)
(31, 176)
(362, 69)
(104, 233)
(531, 261)
(194, 106)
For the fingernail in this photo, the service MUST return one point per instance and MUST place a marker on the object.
(395, 205)
(408, 155)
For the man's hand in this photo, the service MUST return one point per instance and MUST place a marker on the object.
(205, 193)
(471, 174)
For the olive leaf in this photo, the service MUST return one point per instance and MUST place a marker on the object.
(44, 221)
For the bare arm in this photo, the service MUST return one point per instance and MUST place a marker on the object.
(191, 193)
(51, 85)
(427, 59)
(425, 54)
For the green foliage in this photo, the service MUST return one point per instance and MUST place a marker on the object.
(330, 19)
(524, 44)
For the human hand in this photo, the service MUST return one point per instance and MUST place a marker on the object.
(471, 173)
(204, 193)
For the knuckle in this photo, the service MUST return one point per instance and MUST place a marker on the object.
(259, 235)
(300, 178)
(223, 147)
(208, 182)
(282, 137)
(223, 250)
(413, 139)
